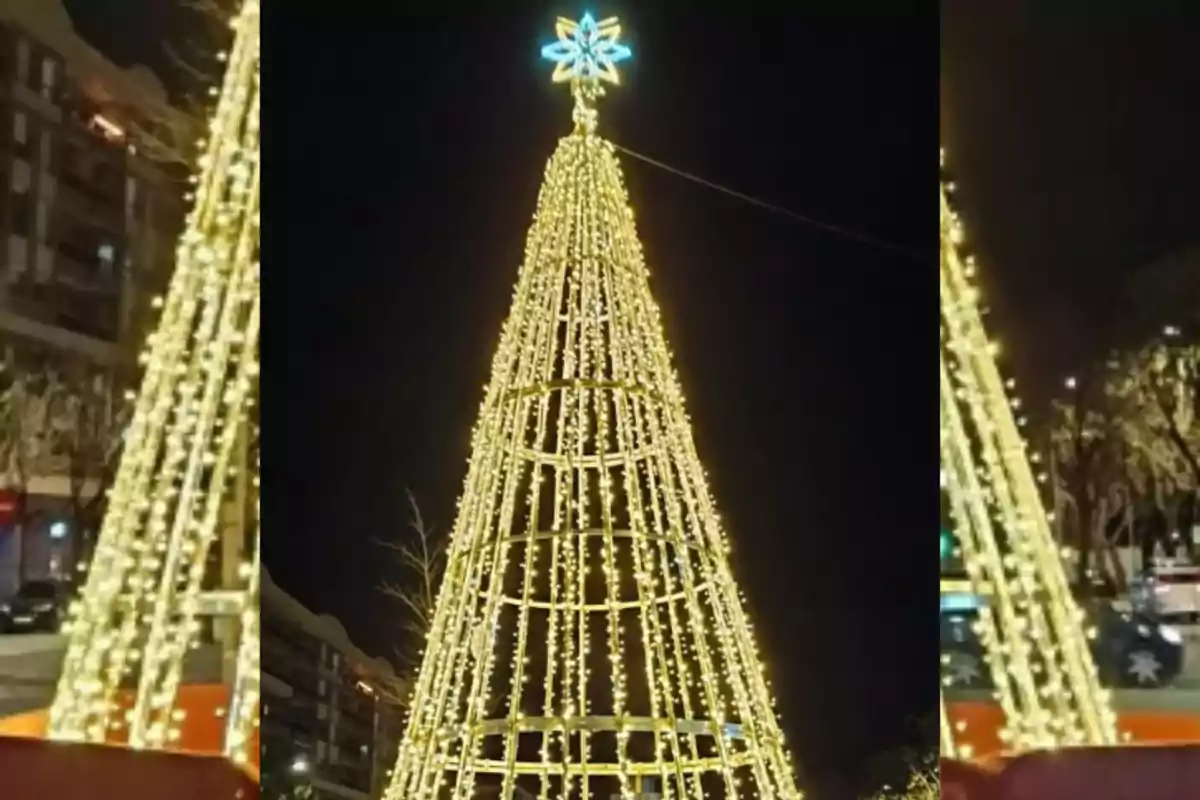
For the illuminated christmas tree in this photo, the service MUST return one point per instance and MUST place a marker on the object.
(589, 639)
(1032, 629)
(137, 616)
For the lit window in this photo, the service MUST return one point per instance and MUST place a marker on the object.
(20, 128)
(106, 253)
(107, 128)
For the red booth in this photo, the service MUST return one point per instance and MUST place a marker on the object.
(33, 768)
(1135, 772)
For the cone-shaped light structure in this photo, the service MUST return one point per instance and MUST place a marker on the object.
(589, 639)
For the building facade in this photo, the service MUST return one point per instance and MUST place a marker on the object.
(327, 719)
(87, 236)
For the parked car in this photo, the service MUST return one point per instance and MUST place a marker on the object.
(38, 606)
(1170, 590)
(1132, 650)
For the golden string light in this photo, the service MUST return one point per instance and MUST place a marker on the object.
(949, 745)
(1031, 628)
(243, 707)
(137, 616)
(588, 635)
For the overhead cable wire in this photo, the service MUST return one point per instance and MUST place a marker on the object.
(844, 232)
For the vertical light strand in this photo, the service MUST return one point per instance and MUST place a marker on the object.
(632, 294)
(244, 697)
(1009, 658)
(592, 255)
(663, 468)
(556, 255)
(477, 508)
(224, 406)
(545, 329)
(565, 473)
(1069, 707)
(698, 512)
(129, 603)
(515, 408)
(450, 646)
(625, 399)
(949, 747)
(577, 441)
(739, 654)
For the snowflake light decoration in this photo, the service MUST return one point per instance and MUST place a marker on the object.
(586, 50)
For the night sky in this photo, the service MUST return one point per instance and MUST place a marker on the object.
(403, 159)
(1073, 137)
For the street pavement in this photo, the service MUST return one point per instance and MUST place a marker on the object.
(29, 666)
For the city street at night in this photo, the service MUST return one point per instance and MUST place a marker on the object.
(599, 457)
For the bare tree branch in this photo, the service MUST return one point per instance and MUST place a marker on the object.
(60, 423)
(187, 66)
(167, 132)
(421, 560)
(921, 783)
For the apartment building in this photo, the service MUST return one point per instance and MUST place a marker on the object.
(326, 716)
(87, 234)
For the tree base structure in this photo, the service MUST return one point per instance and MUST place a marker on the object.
(36, 769)
(202, 732)
(978, 726)
(1096, 773)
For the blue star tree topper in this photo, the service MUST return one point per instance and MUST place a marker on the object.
(587, 50)
(586, 54)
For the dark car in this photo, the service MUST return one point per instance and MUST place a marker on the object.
(37, 607)
(1131, 650)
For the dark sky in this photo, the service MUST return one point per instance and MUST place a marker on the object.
(1074, 137)
(403, 156)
